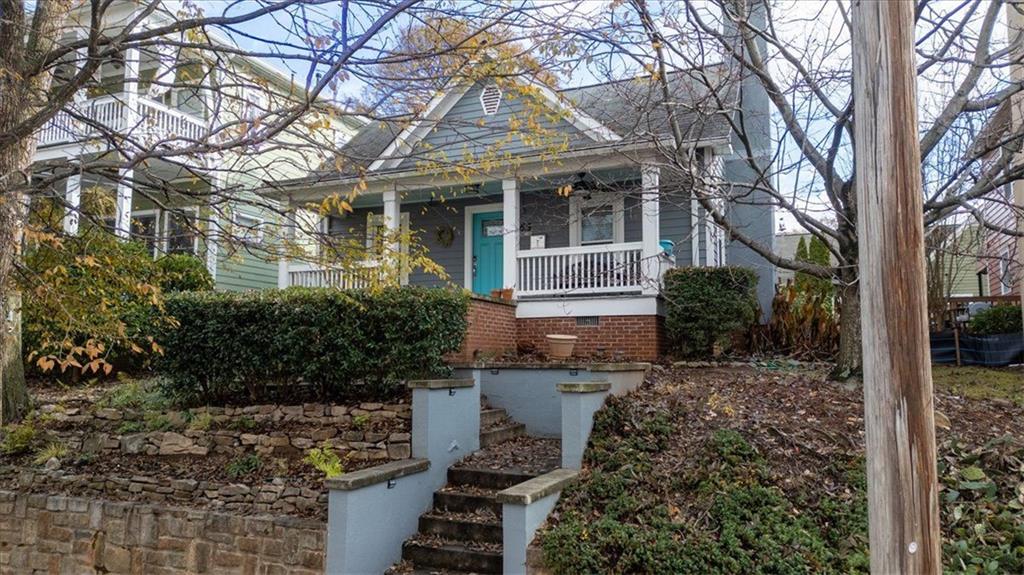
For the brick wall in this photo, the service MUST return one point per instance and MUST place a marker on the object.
(57, 534)
(632, 337)
(491, 330)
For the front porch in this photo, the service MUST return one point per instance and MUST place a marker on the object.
(602, 239)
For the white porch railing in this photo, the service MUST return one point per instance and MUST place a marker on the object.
(606, 268)
(157, 122)
(311, 275)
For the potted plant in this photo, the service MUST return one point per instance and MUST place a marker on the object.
(560, 346)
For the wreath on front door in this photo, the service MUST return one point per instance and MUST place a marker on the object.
(445, 236)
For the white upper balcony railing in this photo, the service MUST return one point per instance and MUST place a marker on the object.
(605, 268)
(157, 123)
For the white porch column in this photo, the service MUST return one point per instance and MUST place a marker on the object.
(510, 239)
(123, 221)
(213, 222)
(393, 225)
(287, 236)
(650, 251)
(212, 234)
(393, 218)
(73, 198)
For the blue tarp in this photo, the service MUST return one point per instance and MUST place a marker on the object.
(988, 350)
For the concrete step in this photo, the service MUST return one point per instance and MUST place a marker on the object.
(491, 416)
(460, 529)
(501, 434)
(431, 554)
(487, 478)
(466, 501)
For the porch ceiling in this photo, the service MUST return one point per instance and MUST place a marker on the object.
(492, 188)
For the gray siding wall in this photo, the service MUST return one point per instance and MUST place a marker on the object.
(465, 128)
(541, 212)
(424, 221)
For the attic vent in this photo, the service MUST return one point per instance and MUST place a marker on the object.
(490, 99)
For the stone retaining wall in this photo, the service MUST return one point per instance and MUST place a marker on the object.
(337, 425)
(275, 496)
(57, 534)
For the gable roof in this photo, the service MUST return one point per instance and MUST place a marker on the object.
(614, 113)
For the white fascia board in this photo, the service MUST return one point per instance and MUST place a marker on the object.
(610, 156)
(440, 105)
(586, 124)
(589, 306)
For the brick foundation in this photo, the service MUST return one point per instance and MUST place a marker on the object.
(491, 331)
(627, 337)
(58, 534)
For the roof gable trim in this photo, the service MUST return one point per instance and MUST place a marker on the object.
(446, 98)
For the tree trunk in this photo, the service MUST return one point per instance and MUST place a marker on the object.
(13, 395)
(849, 360)
(22, 96)
(14, 163)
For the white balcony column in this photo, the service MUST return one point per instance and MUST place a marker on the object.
(131, 89)
(287, 237)
(510, 238)
(650, 252)
(81, 57)
(122, 223)
(73, 198)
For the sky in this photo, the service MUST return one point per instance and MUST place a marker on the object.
(807, 26)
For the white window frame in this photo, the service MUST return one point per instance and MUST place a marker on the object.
(165, 221)
(1005, 281)
(597, 199)
(157, 238)
(374, 221)
(255, 227)
(255, 102)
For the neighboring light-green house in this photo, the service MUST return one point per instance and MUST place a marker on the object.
(187, 203)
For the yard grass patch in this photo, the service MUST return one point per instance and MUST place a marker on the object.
(975, 382)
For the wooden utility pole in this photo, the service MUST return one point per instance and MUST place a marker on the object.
(903, 511)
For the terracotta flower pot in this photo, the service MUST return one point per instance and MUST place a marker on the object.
(560, 346)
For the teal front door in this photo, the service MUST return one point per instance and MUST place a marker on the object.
(487, 250)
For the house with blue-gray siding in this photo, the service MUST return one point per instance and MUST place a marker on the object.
(569, 202)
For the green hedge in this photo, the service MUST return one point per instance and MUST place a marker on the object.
(996, 320)
(184, 272)
(705, 306)
(234, 348)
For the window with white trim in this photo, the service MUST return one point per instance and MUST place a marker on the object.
(179, 232)
(1005, 281)
(597, 218)
(248, 229)
(375, 231)
(255, 102)
(144, 227)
